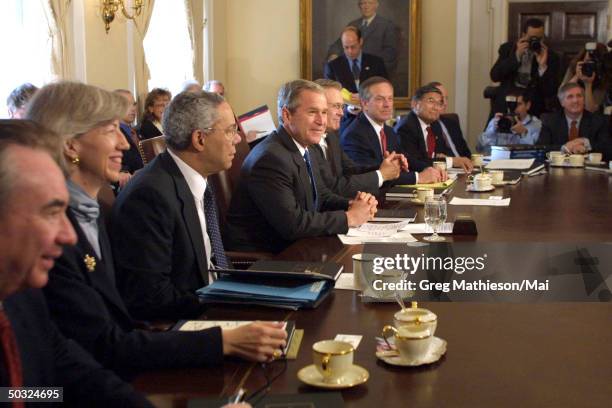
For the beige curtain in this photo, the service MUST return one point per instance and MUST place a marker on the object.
(195, 25)
(58, 19)
(141, 69)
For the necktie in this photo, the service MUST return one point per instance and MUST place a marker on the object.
(383, 141)
(356, 70)
(312, 179)
(573, 132)
(134, 135)
(431, 143)
(12, 360)
(212, 228)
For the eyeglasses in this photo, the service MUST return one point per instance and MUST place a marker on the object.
(432, 101)
(230, 132)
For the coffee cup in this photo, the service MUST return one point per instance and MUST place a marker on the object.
(411, 342)
(423, 193)
(556, 158)
(415, 316)
(477, 159)
(576, 160)
(595, 157)
(363, 269)
(332, 359)
(497, 176)
(610, 165)
(439, 165)
(482, 182)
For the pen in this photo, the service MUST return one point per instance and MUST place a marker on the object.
(240, 396)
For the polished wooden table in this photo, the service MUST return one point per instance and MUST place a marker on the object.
(499, 354)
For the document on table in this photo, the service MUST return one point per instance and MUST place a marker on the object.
(510, 164)
(400, 236)
(490, 202)
(422, 228)
(259, 119)
(346, 281)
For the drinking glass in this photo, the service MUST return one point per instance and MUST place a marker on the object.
(435, 216)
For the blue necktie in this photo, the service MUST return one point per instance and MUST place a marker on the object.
(313, 184)
(212, 228)
(356, 70)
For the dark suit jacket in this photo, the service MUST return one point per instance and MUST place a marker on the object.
(380, 38)
(273, 205)
(361, 143)
(132, 160)
(87, 308)
(454, 130)
(342, 175)
(593, 126)
(157, 244)
(48, 359)
(413, 142)
(505, 69)
(148, 130)
(340, 70)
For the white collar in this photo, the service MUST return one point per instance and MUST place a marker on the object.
(195, 181)
(368, 20)
(424, 125)
(569, 121)
(376, 126)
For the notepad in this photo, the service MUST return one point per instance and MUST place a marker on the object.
(505, 202)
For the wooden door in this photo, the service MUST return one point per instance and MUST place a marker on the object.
(568, 24)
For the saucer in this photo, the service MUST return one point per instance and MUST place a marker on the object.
(356, 375)
(437, 349)
(503, 183)
(471, 188)
(590, 163)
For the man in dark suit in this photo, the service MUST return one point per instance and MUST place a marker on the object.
(35, 227)
(575, 130)
(341, 174)
(132, 160)
(368, 139)
(380, 35)
(451, 128)
(527, 64)
(165, 234)
(420, 131)
(280, 197)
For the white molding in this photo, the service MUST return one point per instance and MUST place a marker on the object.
(131, 62)
(462, 56)
(208, 41)
(79, 40)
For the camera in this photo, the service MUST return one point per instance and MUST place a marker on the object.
(594, 65)
(535, 44)
(505, 123)
(588, 68)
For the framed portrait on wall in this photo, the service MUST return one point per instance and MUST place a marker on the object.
(390, 30)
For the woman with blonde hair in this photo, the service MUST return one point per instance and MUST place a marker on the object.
(82, 294)
(155, 104)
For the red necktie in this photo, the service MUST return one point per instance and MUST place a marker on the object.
(12, 360)
(134, 135)
(431, 143)
(573, 132)
(383, 141)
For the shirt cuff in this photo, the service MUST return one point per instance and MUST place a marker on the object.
(416, 177)
(449, 162)
(380, 178)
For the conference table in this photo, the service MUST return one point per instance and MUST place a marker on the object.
(551, 354)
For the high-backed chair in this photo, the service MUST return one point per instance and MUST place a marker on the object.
(149, 148)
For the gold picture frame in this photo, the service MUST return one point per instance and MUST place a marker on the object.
(412, 35)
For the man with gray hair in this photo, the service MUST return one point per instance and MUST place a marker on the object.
(281, 197)
(214, 86)
(17, 100)
(575, 130)
(165, 229)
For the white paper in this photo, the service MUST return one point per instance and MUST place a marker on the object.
(376, 230)
(346, 281)
(422, 228)
(398, 237)
(352, 339)
(398, 219)
(262, 123)
(479, 201)
(510, 164)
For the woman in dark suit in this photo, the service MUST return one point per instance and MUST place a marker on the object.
(81, 293)
(155, 104)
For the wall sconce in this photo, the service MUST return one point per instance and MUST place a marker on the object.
(110, 7)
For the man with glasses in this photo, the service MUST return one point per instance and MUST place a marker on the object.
(420, 132)
(165, 233)
(341, 174)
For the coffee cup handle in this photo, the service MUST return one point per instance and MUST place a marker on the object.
(325, 363)
(386, 330)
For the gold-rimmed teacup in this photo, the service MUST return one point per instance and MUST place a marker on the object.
(416, 317)
(333, 359)
(412, 342)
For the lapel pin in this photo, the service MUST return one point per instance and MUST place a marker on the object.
(90, 262)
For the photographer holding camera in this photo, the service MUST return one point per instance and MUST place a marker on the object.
(527, 64)
(587, 69)
(516, 126)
